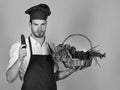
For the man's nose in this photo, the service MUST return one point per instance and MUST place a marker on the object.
(40, 27)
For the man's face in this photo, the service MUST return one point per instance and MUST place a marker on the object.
(38, 27)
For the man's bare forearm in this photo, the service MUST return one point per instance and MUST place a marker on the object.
(64, 74)
(12, 72)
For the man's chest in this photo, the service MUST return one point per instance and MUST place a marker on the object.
(35, 49)
(40, 50)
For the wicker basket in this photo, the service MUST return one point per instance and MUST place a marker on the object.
(63, 54)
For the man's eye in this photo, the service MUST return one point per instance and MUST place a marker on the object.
(35, 24)
(43, 24)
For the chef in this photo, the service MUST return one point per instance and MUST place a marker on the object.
(34, 64)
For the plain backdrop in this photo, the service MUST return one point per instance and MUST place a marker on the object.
(97, 19)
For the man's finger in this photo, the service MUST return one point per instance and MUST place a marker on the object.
(23, 46)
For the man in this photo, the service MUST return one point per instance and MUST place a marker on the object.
(34, 64)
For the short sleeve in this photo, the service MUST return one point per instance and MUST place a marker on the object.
(13, 54)
(52, 46)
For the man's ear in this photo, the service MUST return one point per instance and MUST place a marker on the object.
(29, 24)
(46, 23)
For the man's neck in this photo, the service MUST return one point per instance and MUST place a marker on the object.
(40, 40)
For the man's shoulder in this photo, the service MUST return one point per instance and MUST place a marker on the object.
(15, 44)
(50, 42)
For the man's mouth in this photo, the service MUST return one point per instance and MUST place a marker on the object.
(40, 32)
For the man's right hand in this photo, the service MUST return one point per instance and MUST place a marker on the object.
(22, 52)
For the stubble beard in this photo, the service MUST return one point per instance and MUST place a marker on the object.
(39, 34)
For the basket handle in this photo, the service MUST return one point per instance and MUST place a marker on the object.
(79, 35)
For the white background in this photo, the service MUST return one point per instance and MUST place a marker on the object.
(97, 19)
